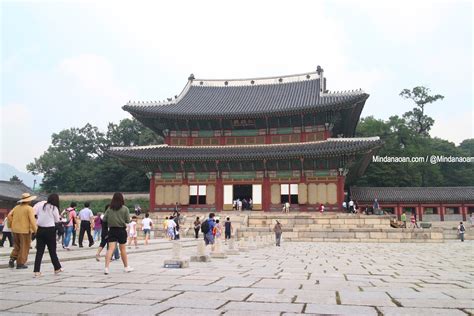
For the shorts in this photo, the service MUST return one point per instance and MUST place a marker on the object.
(117, 234)
(209, 238)
(132, 235)
(146, 231)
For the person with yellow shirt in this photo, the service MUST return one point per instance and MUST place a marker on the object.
(23, 223)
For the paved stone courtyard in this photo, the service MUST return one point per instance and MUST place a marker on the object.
(297, 278)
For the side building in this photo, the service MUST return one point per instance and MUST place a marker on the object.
(265, 140)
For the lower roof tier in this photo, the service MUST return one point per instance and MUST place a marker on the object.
(331, 147)
(413, 194)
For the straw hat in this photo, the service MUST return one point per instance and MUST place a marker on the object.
(26, 197)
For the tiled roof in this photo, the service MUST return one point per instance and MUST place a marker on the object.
(12, 190)
(413, 194)
(248, 98)
(327, 148)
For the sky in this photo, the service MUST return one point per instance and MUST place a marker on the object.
(68, 63)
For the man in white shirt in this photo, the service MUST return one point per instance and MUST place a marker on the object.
(146, 227)
(86, 216)
(351, 206)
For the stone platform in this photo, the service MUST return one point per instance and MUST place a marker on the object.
(294, 279)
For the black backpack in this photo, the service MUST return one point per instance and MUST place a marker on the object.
(462, 229)
(205, 227)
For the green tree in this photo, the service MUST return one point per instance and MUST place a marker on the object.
(15, 178)
(76, 160)
(416, 118)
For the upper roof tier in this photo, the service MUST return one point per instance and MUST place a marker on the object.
(249, 98)
(328, 148)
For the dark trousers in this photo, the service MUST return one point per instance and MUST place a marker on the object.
(46, 236)
(85, 227)
(196, 232)
(74, 236)
(5, 236)
(227, 234)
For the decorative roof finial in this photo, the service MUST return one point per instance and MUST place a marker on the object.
(319, 70)
(191, 77)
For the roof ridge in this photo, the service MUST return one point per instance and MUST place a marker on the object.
(376, 138)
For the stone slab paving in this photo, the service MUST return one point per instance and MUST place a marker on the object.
(297, 278)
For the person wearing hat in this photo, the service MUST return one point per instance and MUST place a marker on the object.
(23, 223)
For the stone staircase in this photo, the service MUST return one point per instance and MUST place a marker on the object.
(337, 227)
(318, 227)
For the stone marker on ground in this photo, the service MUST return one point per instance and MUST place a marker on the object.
(201, 255)
(231, 250)
(176, 261)
(251, 243)
(243, 245)
(217, 252)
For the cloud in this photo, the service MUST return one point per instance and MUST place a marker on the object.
(449, 127)
(97, 94)
(17, 141)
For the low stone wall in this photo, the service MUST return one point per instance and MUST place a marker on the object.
(396, 235)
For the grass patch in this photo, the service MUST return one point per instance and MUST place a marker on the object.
(99, 205)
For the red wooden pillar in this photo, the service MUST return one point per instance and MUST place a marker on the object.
(420, 212)
(189, 141)
(266, 194)
(168, 140)
(464, 212)
(441, 212)
(340, 192)
(152, 193)
(219, 194)
(222, 140)
(398, 211)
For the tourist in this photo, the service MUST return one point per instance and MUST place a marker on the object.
(228, 228)
(197, 226)
(46, 234)
(217, 230)
(471, 219)
(461, 231)
(321, 208)
(70, 214)
(86, 216)
(413, 221)
(376, 205)
(277, 229)
(97, 227)
(245, 204)
(403, 218)
(207, 227)
(60, 230)
(239, 205)
(176, 219)
(117, 217)
(165, 225)
(344, 206)
(138, 210)
(250, 204)
(132, 231)
(176, 209)
(104, 239)
(147, 223)
(6, 233)
(22, 223)
(170, 228)
(351, 206)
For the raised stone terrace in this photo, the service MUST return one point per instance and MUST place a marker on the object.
(333, 227)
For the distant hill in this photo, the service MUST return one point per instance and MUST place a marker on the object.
(7, 171)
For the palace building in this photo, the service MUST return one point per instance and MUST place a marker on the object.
(264, 141)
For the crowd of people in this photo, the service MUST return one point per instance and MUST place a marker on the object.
(47, 225)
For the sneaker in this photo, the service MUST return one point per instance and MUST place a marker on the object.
(106, 271)
(128, 269)
(11, 263)
(91, 244)
(38, 274)
(21, 266)
(74, 244)
(58, 271)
